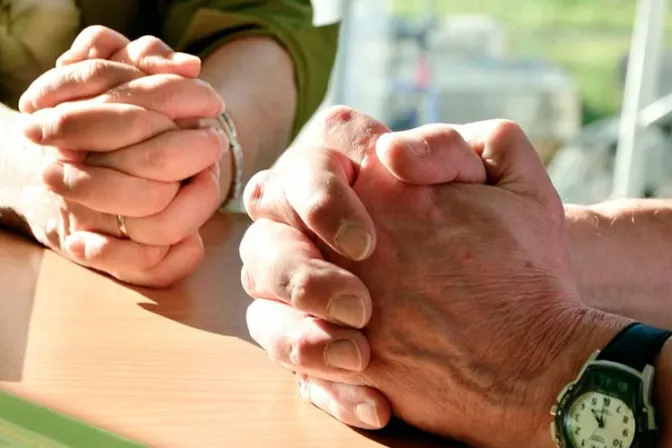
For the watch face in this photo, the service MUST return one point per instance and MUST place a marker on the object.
(597, 420)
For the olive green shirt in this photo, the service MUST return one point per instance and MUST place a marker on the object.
(34, 33)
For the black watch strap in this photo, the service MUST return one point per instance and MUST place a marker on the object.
(636, 346)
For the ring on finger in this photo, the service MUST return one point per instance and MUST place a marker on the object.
(121, 222)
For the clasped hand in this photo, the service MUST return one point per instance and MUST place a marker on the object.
(122, 126)
(446, 246)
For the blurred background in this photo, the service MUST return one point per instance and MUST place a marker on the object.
(588, 80)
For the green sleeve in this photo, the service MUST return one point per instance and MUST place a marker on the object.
(201, 26)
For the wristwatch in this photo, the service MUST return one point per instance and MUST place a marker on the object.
(609, 404)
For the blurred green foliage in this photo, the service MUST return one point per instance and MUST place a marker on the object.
(588, 38)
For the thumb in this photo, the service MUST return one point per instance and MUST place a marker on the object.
(509, 157)
(154, 57)
(430, 154)
(94, 42)
(148, 54)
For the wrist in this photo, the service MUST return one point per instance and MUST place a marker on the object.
(255, 78)
(583, 331)
(19, 171)
(587, 238)
(594, 330)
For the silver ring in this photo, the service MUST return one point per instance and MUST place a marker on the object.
(121, 222)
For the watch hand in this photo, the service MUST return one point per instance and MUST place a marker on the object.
(597, 417)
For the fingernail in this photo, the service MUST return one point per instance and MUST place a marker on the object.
(62, 59)
(53, 176)
(33, 130)
(343, 355)
(416, 146)
(347, 310)
(221, 135)
(93, 53)
(352, 240)
(26, 105)
(366, 413)
(65, 58)
(184, 57)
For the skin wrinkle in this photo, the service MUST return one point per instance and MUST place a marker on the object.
(415, 357)
(625, 299)
(422, 362)
(483, 378)
(401, 355)
(439, 353)
(429, 309)
(506, 388)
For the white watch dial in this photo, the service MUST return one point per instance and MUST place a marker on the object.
(596, 420)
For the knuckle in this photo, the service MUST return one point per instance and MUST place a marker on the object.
(337, 113)
(153, 256)
(160, 196)
(91, 69)
(301, 348)
(94, 33)
(170, 232)
(335, 116)
(360, 127)
(172, 92)
(506, 130)
(274, 268)
(448, 135)
(148, 44)
(154, 157)
(305, 287)
(317, 205)
(254, 193)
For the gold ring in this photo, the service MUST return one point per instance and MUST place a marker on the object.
(121, 222)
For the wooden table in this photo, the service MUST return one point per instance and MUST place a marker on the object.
(165, 367)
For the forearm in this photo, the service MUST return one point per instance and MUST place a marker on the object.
(622, 255)
(255, 77)
(10, 176)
